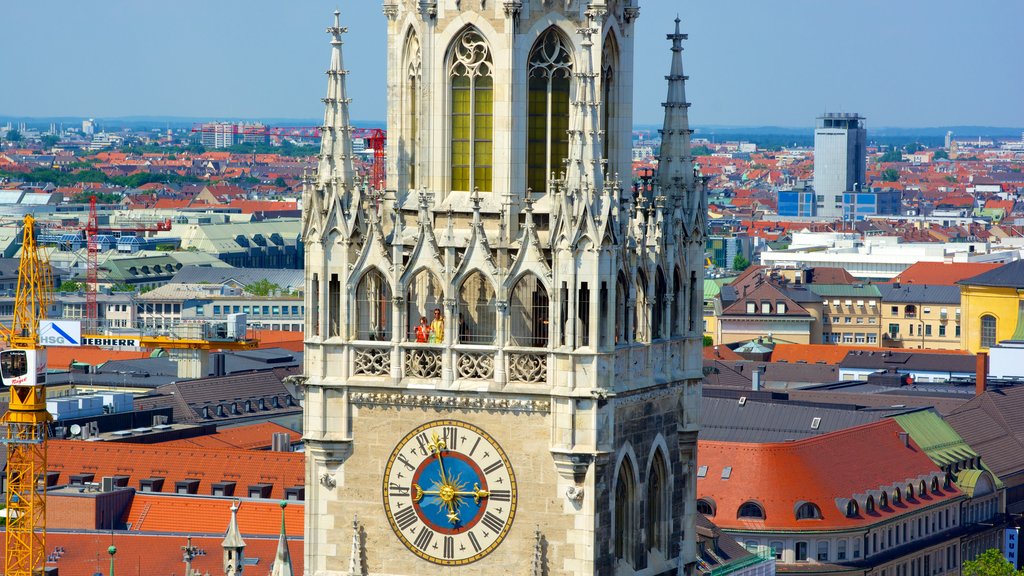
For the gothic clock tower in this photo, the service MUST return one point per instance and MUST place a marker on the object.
(503, 344)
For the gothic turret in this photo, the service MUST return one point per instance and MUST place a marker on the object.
(283, 559)
(234, 546)
(675, 171)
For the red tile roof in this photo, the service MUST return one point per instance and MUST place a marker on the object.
(137, 461)
(832, 353)
(173, 513)
(825, 470)
(943, 273)
(86, 554)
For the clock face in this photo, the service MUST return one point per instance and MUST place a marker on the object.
(449, 492)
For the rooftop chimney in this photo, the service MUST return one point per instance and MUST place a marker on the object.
(981, 366)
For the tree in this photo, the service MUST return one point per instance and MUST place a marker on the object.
(71, 286)
(991, 563)
(14, 136)
(890, 175)
(739, 263)
(261, 288)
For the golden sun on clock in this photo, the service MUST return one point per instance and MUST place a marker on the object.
(449, 492)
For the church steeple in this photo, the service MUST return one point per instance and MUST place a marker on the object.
(234, 546)
(283, 559)
(336, 133)
(675, 171)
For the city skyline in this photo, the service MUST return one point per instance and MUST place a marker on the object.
(892, 64)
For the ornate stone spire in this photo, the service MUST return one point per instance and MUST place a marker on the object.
(336, 133)
(233, 545)
(584, 166)
(675, 171)
(283, 559)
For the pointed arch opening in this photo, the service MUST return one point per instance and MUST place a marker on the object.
(477, 314)
(549, 87)
(424, 296)
(678, 302)
(411, 106)
(529, 313)
(641, 310)
(609, 90)
(471, 77)
(659, 505)
(621, 297)
(658, 311)
(625, 513)
(373, 307)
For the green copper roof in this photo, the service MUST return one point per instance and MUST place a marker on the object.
(938, 440)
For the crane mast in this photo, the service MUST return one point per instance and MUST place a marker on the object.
(23, 372)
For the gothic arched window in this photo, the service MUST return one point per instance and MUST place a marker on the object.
(658, 505)
(472, 105)
(476, 321)
(423, 295)
(609, 64)
(550, 79)
(373, 307)
(658, 312)
(412, 106)
(528, 313)
(625, 514)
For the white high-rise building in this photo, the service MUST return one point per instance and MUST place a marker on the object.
(503, 347)
(840, 160)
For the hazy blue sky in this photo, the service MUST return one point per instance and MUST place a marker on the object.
(750, 62)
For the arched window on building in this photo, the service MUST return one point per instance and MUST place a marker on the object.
(609, 89)
(706, 508)
(550, 78)
(621, 297)
(808, 511)
(658, 328)
(528, 313)
(411, 106)
(750, 510)
(641, 310)
(625, 528)
(472, 106)
(423, 296)
(373, 307)
(476, 318)
(988, 331)
(678, 303)
(659, 503)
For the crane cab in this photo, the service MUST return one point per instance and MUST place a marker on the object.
(23, 367)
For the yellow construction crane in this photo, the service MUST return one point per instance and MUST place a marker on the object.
(23, 371)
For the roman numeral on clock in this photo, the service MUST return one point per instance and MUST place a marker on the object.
(449, 547)
(493, 467)
(423, 538)
(397, 491)
(498, 495)
(493, 522)
(405, 518)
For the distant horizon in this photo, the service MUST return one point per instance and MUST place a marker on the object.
(750, 62)
(271, 121)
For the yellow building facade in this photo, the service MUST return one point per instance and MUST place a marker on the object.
(991, 306)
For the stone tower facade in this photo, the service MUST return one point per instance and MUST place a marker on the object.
(503, 347)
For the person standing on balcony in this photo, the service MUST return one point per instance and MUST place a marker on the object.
(437, 327)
